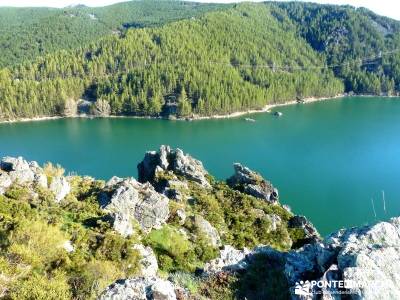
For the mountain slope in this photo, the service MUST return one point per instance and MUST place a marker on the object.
(204, 66)
(364, 47)
(26, 33)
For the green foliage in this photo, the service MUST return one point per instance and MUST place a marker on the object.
(176, 253)
(241, 218)
(34, 230)
(219, 286)
(27, 33)
(352, 40)
(187, 281)
(203, 66)
(42, 287)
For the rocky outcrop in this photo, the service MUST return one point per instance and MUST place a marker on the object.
(20, 171)
(148, 262)
(311, 233)
(140, 288)
(366, 260)
(128, 200)
(174, 160)
(60, 187)
(361, 263)
(230, 259)
(252, 183)
(204, 227)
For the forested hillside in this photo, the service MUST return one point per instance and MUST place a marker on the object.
(362, 47)
(217, 60)
(26, 33)
(204, 66)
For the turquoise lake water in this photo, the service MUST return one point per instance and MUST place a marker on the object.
(328, 159)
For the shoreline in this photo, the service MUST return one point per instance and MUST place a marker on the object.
(266, 109)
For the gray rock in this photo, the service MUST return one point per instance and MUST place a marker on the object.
(203, 226)
(148, 262)
(135, 201)
(5, 182)
(230, 259)
(366, 258)
(60, 187)
(140, 288)
(303, 223)
(167, 159)
(122, 224)
(126, 289)
(252, 183)
(162, 290)
(18, 169)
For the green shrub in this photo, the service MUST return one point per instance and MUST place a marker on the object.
(42, 287)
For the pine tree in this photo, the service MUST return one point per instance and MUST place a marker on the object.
(184, 106)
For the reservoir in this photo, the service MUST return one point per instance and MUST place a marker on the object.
(336, 162)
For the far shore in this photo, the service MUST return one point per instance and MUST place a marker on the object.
(265, 109)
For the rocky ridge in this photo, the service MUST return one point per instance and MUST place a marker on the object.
(368, 256)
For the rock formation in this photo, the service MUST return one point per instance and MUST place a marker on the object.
(174, 160)
(311, 233)
(148, 262)
(19, 171)
(365, 259)
(128, 200)
(252, 183)
(140, 288)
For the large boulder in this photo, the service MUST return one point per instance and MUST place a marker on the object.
(140, 288)
(174, 160)
(366, 259)
(252, 183)
(18, 169)
(131, 200)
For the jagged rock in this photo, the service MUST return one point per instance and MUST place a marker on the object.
(19, 170)
(230, 259)
(174, 189)
(135, 201)
(141, 288)
(167, 159)
(252, 183)
(122, 224)
(162, 290)
(366, 258)
(148, 262)
(60, 187)
(203, 226)
(310, 231)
